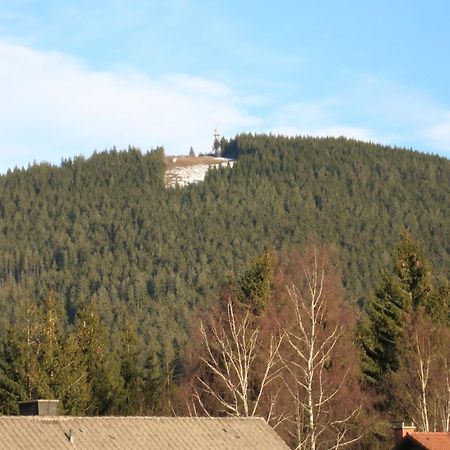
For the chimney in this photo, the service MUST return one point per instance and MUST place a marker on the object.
(401, 430)
(38, 408)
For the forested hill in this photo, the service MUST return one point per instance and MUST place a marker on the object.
(354, 195)
(105, 231)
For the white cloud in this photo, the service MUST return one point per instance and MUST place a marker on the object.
(316, 118)
(439, 135)
(394, 103)
(55, 106)
(373, 109)
(362, 134)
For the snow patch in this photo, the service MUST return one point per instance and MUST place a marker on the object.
(184, 175)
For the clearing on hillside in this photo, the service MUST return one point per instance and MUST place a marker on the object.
(184, 170)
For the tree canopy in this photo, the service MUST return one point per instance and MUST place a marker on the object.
(104, 233)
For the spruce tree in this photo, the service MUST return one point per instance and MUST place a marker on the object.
(253, 288)
(20, 371)
(39, 361)
(63, 368)
(102, 365)
(403, 291)
(132, 372)
(386, 311)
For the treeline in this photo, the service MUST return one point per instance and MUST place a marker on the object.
(104, 233)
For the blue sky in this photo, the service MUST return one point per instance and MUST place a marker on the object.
(79, 76)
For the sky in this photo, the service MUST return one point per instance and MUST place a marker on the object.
(88, 75)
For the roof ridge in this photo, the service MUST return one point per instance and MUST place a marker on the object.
(431, 432)
(36, 417)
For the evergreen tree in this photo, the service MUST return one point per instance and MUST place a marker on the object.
(413, 270)
(62, 364)
(38, 361)
(20, 371)
(132, 372)
(102, 365)
(403, 291)
(387, 312)
(253, 287)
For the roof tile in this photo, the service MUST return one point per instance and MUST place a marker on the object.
(37, 432)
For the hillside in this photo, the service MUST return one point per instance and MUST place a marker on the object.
(105, 231)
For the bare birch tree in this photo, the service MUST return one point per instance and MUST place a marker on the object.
(314, 386)
(424, 361)
(422, 384)
(443, 398)
(442, 383)
(411, 383)
(240, 368)
(291, 365)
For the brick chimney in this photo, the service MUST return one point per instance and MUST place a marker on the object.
(401, 430)
(38, 408)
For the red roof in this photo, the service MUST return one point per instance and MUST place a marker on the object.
(429, 441)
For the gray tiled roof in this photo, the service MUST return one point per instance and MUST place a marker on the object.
(37, 432)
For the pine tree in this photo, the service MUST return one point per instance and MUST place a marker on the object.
(38, 361)
(387, 312)
(62, 364)
(132, 372)
(413, 271)
(253, 287)
(20, 372)
(103, 371)
(406, 289)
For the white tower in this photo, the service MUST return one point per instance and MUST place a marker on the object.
(216, 145)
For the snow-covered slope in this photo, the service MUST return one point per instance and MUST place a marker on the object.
(182, 171)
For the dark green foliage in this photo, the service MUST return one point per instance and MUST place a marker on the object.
(132, 371)
(20, 372)
(403, 292)
(387, 313)
(101, 363)
(253, 287)
(414, 271)
(104, 231)
(38, 361)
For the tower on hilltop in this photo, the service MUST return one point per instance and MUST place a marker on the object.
(217, 150)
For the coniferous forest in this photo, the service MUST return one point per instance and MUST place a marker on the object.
(121, 296)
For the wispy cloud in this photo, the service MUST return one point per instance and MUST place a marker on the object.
(316, 118)
(373, 109)
(439, 135)
(58, 106)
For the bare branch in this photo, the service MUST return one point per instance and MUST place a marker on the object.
(233, 351)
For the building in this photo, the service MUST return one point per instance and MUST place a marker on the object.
(407, 438)
(42, 429)
(217, 147)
